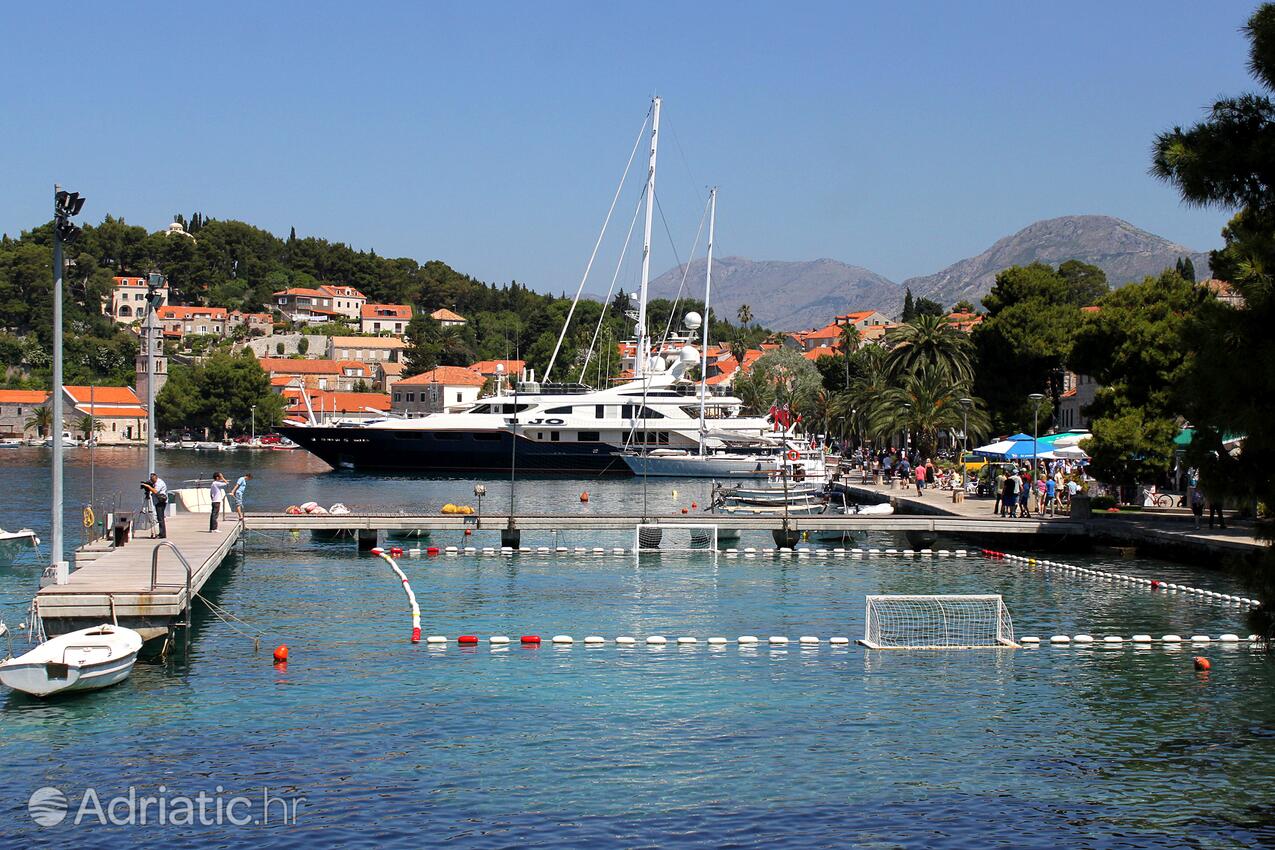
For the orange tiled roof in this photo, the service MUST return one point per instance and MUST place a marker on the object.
(23, 396)
(288, 366)
(341, 291)
(103, 395)
(442, 314)
(488, 367)
(102, 412)
(301, 290)
(338, 402)
(448, 376)
(386, 311)
(170, 311)
(816, 353)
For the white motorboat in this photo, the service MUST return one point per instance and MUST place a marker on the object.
(13, 543)
(91, 658)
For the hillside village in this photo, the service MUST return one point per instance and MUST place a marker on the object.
(358, 375)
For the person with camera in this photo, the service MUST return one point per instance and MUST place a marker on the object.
(158, 491)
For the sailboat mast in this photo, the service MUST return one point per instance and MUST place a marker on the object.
(708, 291)
(643, 343)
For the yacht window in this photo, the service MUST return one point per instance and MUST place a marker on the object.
(446, 435)
(482, 408)
(626, 411)
(487, 435)
(553, 436)
(589, 437)
(599, 411)
(566, 409)
(407, 435)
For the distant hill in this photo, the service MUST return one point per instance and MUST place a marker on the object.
(799, 295)
(1123, 251)
(783, 295)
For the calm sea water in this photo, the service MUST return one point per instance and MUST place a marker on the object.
(392, 744)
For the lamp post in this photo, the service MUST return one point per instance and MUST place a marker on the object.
(66, 205)
(965, 404)
(907, 427)
(1036, 400)
(253, 438)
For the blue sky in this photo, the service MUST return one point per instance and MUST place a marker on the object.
(900, 136)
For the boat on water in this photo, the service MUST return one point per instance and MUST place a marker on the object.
(14, 543)
(88, 659)
(547, 428)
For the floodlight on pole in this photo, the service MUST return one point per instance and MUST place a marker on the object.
(65, 206)
(966, 404)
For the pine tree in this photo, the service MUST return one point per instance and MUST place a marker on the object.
(1188, 270)
(909, 306)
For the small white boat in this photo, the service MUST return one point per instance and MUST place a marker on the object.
(14, 542)
(91, 658)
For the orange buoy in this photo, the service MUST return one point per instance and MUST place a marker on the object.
(281, 653)
(1202, 663)
(468, 531)
(396, 551)
(584, 497)
(433, 550)
(467, 639)
(531, 639)
(693, 505)
(684, 510)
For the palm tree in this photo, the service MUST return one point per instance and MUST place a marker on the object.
(933, 342)
(745, 314)
(41, 419)
(925, 403)
(89, 425)
(848, 341)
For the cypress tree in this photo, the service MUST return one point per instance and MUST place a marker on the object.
(909, 307)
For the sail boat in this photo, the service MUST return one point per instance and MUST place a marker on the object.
(734, 455)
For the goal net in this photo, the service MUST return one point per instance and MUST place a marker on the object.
(674, 537)
(937, 622)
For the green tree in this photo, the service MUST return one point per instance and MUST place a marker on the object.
(927, 307)
(423, 349)
(745, 314)
(303, 345)
(909, 307)
(222, 388)
(1085, 283)
(932, 342)
(924, 403)
(88, 425)
(41, 419)
(1134, 346)
(1022, 344)
(781, 376)
(1224, 161)
(963, 306)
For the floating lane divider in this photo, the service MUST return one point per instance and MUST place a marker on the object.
(1136, 641)
(750, 641)
(749, 552)
(1197, 593)
(411, 597)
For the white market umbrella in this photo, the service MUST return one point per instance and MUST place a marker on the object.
(1071, 453)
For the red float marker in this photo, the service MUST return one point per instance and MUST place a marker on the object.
(467, 639)
(416, 634)
(433, 550)
(531, 640)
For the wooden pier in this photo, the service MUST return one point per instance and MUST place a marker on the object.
(116, 584)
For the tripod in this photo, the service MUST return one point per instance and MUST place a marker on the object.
(148, 513)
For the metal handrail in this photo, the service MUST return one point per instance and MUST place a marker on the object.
(155, 572)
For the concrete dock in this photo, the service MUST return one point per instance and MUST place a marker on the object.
(115, 584)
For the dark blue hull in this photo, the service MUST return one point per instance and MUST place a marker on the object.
(454, 452)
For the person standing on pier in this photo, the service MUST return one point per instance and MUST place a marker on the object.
(241, 487)
(920, 480)
(998, 505)
(216, 495)
(158, 491)
(1024, 493)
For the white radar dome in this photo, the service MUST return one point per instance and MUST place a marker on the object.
(688, 355)
(693, 320)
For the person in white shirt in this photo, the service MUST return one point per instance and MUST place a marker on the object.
(216, 495)
(159, 498)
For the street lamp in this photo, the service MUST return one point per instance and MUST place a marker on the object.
(965, 404)
(66, 205)
(1036, 400)
(253, 439)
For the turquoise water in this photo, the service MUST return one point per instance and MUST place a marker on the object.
(394, 744)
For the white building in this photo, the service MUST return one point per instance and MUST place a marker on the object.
(435, 391)
(128, 299)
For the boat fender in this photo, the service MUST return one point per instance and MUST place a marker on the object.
(281, 653)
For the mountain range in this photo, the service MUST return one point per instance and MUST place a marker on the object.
(797, 295)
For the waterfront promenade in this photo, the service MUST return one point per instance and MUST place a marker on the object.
(1158, 527)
